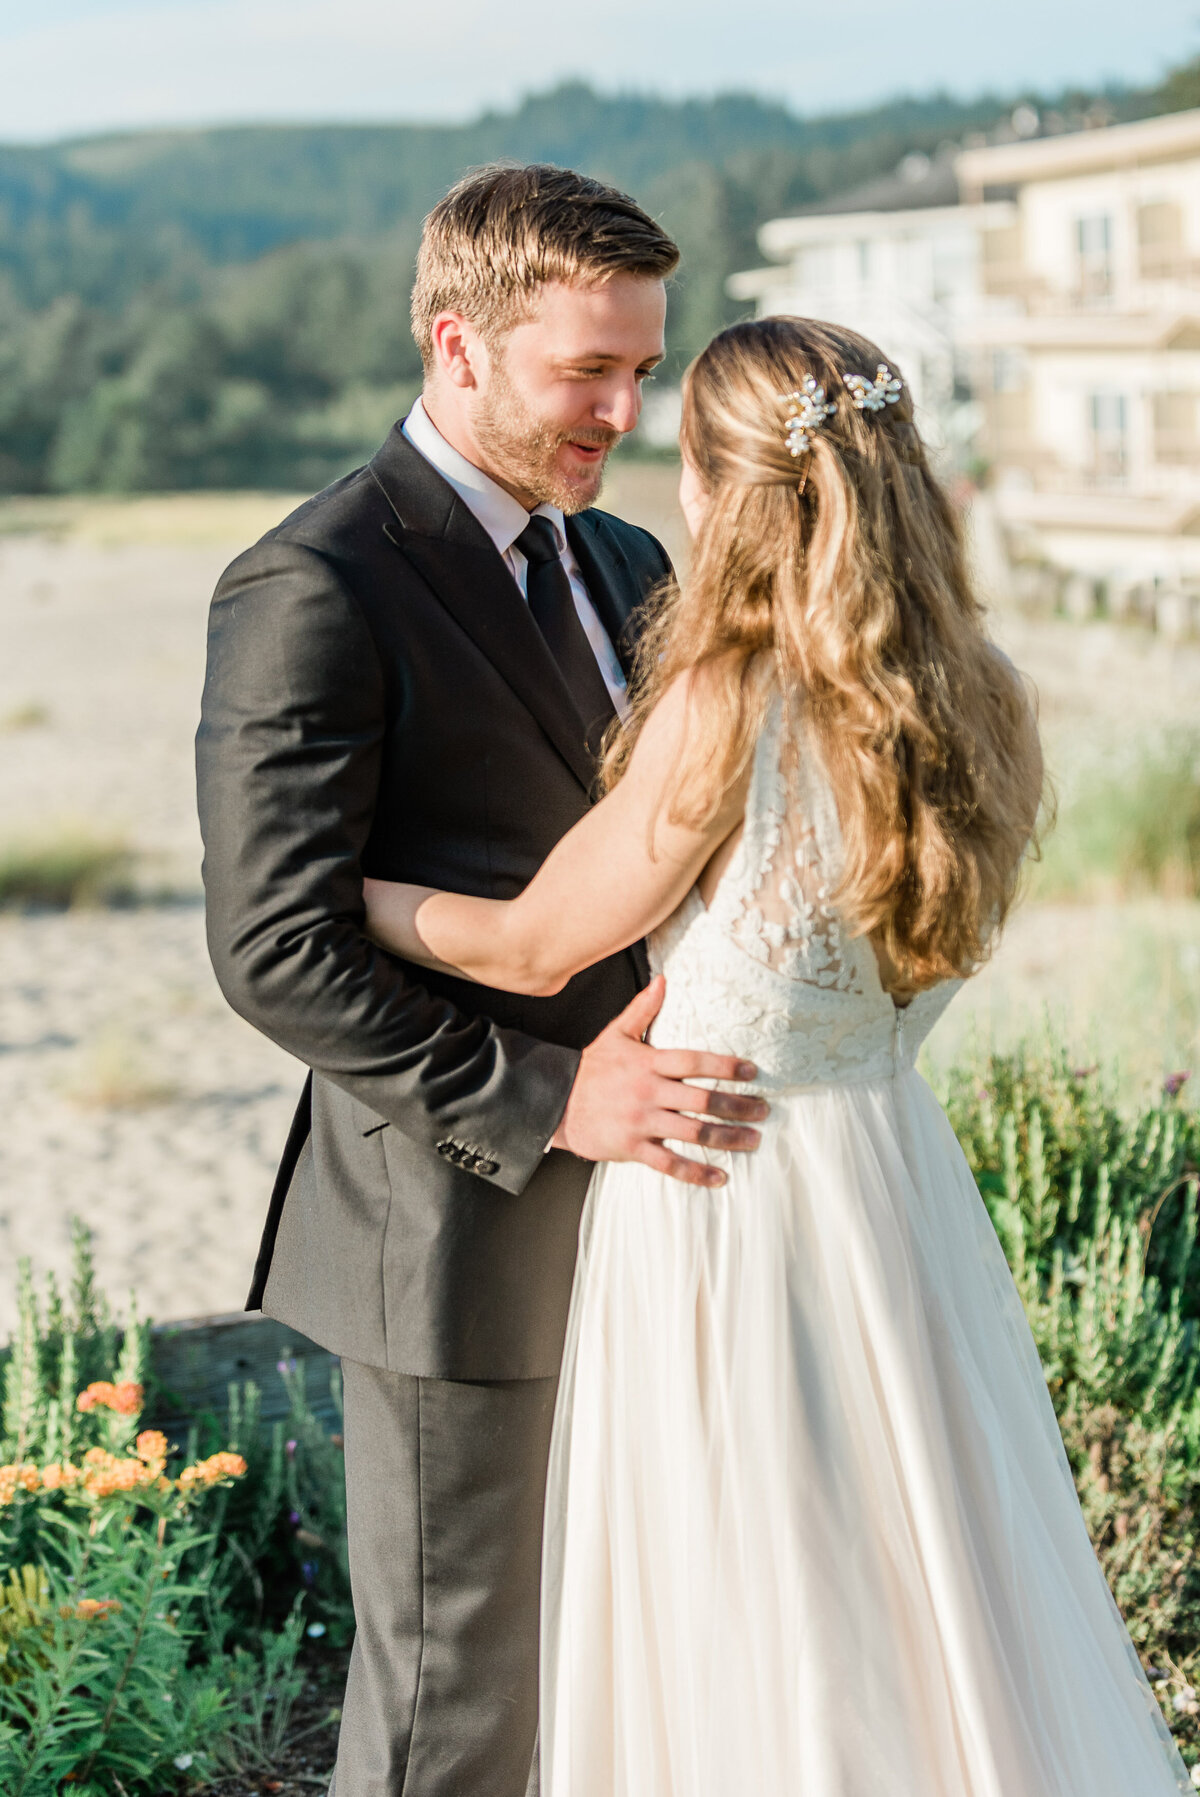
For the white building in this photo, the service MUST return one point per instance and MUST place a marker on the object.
(1086, 347)
(898, 260)
(1043, 298)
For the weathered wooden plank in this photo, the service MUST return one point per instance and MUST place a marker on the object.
(194, 1362)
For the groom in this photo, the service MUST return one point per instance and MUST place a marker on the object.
(409, 678)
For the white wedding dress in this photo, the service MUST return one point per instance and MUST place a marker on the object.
(810, 1529)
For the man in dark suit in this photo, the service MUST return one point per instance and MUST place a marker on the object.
(410, 678)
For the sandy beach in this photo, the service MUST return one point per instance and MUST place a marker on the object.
(132, 1097)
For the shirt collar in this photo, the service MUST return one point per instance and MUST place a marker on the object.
(502, 516)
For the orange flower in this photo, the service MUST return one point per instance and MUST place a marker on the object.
(152, 1446)
(18, 1477)
(60, 1475)
(105, 1474)
(88, 1608)
(102, 1394)
(211, 1471)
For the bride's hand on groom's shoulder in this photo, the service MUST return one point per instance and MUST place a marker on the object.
(629, 1099)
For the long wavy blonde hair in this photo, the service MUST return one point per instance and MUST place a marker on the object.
(845, 566)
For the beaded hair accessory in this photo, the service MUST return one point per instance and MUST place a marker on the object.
(872, 396)
(806, 412)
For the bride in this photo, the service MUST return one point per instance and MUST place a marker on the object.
(810, 1528)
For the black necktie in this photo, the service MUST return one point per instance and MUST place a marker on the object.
(552, 603)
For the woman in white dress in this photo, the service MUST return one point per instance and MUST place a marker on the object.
(810, 1528)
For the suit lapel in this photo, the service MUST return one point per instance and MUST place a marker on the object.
(452, 552)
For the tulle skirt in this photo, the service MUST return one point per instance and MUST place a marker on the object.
(810, 1526)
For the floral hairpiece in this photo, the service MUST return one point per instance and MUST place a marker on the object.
(807, 412)
(872, 396)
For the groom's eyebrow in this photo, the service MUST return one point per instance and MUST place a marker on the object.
(606, 355)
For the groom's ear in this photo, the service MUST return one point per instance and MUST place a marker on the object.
(459, 352)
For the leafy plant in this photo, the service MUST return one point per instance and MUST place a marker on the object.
(1132, 825)
(68, 867)
(1097, 1211)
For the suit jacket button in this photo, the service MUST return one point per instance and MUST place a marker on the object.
(470, 1162)
(488, 1167)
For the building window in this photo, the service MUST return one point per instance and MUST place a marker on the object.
(1175, 439)
(1160, 240)
(1108, 413)
(1093, 253)
(1010, 371)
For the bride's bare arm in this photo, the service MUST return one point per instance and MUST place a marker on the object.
(612, 879)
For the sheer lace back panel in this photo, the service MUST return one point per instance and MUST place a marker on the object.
(769, 970)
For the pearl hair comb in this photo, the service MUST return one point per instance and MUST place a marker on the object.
(872, 396)
(807, 412)
(807, 407)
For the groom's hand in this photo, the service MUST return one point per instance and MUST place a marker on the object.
(629, 1099)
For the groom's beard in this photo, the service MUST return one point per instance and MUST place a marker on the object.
(525, 447)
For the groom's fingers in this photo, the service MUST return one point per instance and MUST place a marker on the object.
(641, 1011)
(674, 1126)
(730, 1107)
(691, 1063)
(677, 1166)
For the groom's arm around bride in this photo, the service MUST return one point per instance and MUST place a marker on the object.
(408, 678)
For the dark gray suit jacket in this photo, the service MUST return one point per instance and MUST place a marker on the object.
(379, 700)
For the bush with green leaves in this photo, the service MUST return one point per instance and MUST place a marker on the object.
(1130, 824)
(1096, 1207)
(151, 1613)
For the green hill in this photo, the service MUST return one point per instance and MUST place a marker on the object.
(228, 307)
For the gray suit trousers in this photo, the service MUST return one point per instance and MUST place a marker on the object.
(445, 1484)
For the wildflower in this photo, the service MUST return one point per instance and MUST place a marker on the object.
(1195, 1775)
(151, 1446)
(213, 1471)
(88, 1609)
(285, 1367)
(18, 1477)
(1174, 1083)
(308, 1571)
(105, 1474)
(182, 1761)
(102, 1394)
(290, 1449)
(1185, 1702)
(315, 1630)
(60, 1475)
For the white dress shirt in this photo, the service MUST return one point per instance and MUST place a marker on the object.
(504, 518)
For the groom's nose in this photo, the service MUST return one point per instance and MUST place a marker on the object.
(620, 406)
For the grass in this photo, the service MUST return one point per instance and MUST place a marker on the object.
(172, 520)
(69, 866)
(1129, 826)
(33, 715)
(113, 1075)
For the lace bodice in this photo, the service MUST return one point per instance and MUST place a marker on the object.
(769, 971)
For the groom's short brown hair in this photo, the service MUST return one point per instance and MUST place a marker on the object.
(504, 230)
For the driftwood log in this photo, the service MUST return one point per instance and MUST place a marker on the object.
(194, 1362)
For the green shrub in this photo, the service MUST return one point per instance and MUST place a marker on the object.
(70, 867)
(134, 1648)
(1130, 827)
(1097, 1212)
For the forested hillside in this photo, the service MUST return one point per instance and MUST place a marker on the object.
(227, 308)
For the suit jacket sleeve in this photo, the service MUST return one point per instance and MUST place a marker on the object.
(288, 756)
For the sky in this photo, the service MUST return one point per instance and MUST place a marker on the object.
(72, 67)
